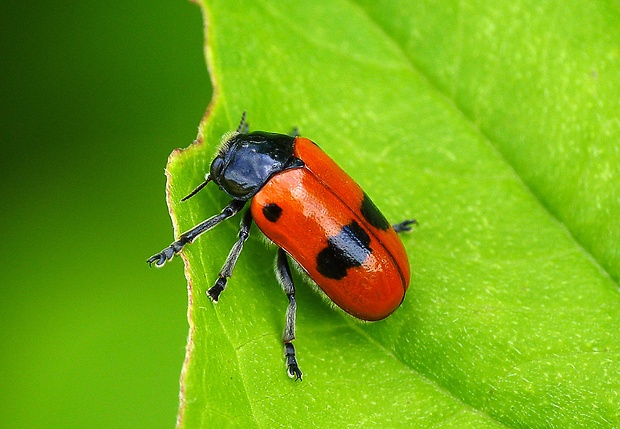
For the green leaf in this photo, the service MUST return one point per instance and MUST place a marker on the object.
(496, 126)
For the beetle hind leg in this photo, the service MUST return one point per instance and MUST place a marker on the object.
(286, 280)
(226, 271)
(405, 225)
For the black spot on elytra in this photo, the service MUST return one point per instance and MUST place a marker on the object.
(272, 212)
(372, 214)
(348, 249)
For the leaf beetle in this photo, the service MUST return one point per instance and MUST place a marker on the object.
(316, 214)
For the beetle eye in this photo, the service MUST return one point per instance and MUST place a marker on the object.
(216, 167)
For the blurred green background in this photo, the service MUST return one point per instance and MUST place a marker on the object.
(95, 95)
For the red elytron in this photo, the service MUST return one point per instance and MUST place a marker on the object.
(366, 273)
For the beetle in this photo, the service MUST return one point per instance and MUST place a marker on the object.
(316, 214)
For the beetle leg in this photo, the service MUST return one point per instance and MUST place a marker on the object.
(286, 280)
(405, 225)
(294, 132)
(226, 271)
(165, 255)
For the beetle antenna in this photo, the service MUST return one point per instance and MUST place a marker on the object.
(243, 126)
(198, 188)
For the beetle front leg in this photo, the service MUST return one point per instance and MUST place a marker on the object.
(226, 271)
(167, 254)
(284, 275)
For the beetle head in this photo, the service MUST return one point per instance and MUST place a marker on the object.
(245, 161)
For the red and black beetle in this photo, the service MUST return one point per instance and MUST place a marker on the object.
(314, 212)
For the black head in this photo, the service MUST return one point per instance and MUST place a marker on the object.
(246, 161)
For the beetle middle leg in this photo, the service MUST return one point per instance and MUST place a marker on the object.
(284, 275)
(226, 271)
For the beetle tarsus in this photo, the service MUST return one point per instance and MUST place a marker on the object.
(291, 362)
(165, 255)
(294, 132)
(405, 225)
(215, 291)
